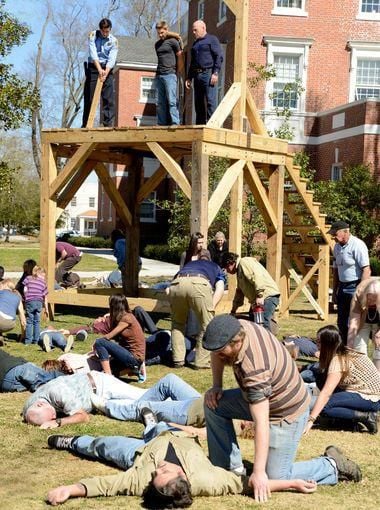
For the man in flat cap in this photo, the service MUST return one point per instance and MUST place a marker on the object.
(351, 266)
(273, 395)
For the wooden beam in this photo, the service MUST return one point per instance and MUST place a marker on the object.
(324, 279)
(94, 104)
(225, 106)
(47, 220)
(259, 192)
(172, 167)
(199, 190)
(302, 287)
(75, 183)
(71, 167)
(225, 151)
(114, 195)
(235, 227)
(274, 241)
(151, 183)
(223, 188)
(254, 118)
(233, 5)
(241, 63)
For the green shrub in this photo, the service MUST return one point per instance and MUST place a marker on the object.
(90, 242)
(375, 266)
(162, 252)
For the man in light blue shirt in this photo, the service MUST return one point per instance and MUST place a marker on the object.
(351, 266)
(103, 49)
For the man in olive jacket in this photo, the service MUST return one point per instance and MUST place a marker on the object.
(167, 467)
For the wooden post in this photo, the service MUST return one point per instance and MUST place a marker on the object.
(274, 242)
(241, 63)
(94, 104)
(47, 221)
(135, 178)
(199, 190)
(324, 279)
(285, 282)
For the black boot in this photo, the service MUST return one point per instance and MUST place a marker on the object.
(368, 419)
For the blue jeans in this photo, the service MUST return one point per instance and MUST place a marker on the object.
(27, 377)
(105, 348)
(119, 450)
(33, 314)
(167, 110)
(182, 395)
(344, 298)
(204, 97)
(56, 338)
(283, 443)
(343, 404)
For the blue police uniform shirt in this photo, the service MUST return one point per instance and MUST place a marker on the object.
(350, 259)
(103, 49)
(206, 53)
(204, 267)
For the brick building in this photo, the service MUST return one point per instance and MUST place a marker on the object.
(332, 49)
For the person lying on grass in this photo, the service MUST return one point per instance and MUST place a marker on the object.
(167, 467)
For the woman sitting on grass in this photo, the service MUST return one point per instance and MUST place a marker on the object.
(352, 387)
(10, 305)
(129, 346)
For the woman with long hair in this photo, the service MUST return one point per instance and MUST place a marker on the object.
(195, 249)
(128, 349)
(352, 387)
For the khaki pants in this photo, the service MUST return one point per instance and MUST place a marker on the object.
(190, 293)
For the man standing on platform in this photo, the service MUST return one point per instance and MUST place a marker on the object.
(205, 65)
(103, 49)
(170, 62)
(256, 284)
(351, 266)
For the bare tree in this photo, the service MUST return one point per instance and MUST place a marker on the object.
(142, 15)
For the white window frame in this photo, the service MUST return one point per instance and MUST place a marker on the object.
(201, 9)
(74, 201)
(145, 99)
(289, 11)
(222, 13)
(359, 51)
(288, 46)
(150, 200)
(371, 16)
(336, 172)
(91, 200)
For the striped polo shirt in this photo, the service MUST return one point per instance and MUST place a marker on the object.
(35, 289)
(264, 369)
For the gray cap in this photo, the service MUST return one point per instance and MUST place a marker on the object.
(338, 225)
(220, 332)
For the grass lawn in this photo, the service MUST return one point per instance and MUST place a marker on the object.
(30, 469)
(12, 257)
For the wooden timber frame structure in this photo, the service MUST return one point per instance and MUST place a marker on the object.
(259, 164)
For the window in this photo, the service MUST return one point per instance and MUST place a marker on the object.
(73, 202)
(289, 8)
(147, 90)
(148, 209)
(364, 70)
(336, 172)
(287, 72)
(73, 222)
(222, 12)
(368, 79)
(370, 6)
(201, 9)
(289, 58)
(91, 201)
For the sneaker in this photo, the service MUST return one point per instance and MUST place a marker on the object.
(69, 343)
(148, 417)
(61, 442)
(348, 470)
(46, 342)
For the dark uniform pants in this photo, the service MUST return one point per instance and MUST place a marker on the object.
(108, 96)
